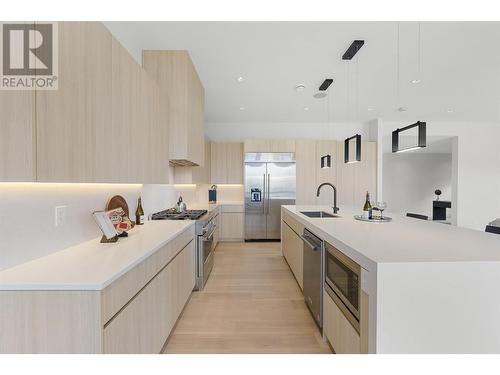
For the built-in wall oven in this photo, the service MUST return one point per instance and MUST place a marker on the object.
(343, 283)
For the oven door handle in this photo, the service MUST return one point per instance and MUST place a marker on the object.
(314, 247)
(208, 237)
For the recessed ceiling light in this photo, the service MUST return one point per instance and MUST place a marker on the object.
(300, 88)
(401, 109)
(306, 108)
(415, 81)
(240, 79)
(242, 108)
(319, 95)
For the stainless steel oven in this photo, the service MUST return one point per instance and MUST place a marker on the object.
(205, 256)
(343, 283)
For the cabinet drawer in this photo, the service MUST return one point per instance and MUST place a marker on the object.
(292, 223)
(146, 321)
(116, 295)
(340, 333)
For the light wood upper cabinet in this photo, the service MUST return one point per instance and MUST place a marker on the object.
(227, 163)
(195, 175)
(106, 122)
(73, 122)
(351, 180)
(269, 145)
(306, 169)
(326, 174)
(218, 163)
(17, 151)
(178, 80)
(234, 155)
(356, 179)
(17, 136)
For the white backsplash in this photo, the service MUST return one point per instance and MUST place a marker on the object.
(27, 214)
(198, 194)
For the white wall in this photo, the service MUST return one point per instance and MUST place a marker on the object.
(238, 132)
(477, 168)
(27, 228)
(410, 179)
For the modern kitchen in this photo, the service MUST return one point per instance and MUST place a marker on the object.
(250, 187)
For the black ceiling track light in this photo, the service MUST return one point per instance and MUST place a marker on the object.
(353, 49)
(326, 83)
(354, 141)
(418, 140)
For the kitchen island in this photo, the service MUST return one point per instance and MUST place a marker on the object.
(432, 288)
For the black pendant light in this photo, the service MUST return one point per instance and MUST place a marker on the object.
(326, 161)
(357, 147)
(415, 137)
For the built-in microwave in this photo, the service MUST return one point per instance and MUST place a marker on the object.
(343, 283)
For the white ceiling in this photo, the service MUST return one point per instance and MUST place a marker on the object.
(460, 65)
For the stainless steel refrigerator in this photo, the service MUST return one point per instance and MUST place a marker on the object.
(269, 183)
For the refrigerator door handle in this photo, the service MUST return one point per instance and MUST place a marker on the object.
(264, 194)
(268, 193)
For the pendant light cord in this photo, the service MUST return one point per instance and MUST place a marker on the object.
(419, 52)
(397, 67)
(356, 104)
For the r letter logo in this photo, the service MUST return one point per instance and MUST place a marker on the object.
(29, 56)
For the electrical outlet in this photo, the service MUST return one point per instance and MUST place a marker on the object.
(60, 216)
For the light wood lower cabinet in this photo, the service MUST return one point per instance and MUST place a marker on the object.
(146, 321)
(134, 314)
(232, 218)
(292, 249)
(232, 226)
(337, 329)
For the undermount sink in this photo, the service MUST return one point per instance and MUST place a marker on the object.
(318, 214)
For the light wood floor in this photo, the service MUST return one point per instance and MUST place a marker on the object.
(251, 304)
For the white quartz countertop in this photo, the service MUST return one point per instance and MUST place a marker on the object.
(402, 240)
(92, 265)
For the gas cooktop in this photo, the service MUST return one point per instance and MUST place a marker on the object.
(171, 214)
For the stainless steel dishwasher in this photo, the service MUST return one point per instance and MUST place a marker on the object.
(313, 275)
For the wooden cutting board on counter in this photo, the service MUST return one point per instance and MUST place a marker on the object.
(116, 202)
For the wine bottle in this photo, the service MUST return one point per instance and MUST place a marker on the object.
(367, 208)
(139, 213)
